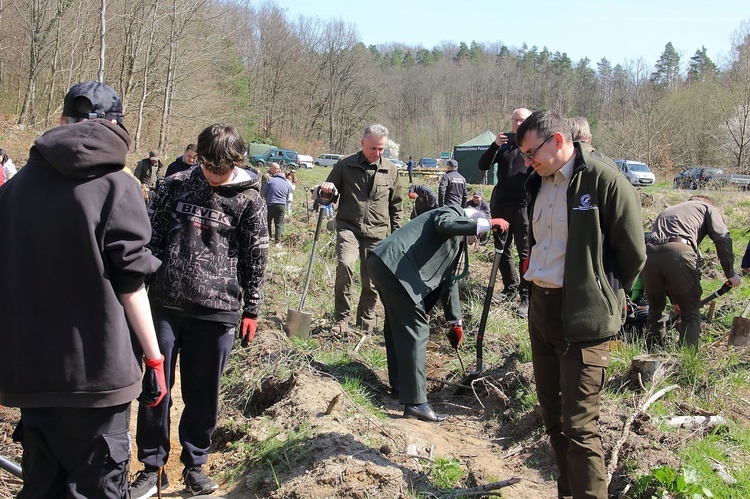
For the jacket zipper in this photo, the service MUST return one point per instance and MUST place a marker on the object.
(604, 295)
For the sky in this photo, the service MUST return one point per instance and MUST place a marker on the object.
(619, 30)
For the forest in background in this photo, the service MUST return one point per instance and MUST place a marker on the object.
(312, 85)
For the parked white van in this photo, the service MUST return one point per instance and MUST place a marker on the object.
(636, 172)
(328, 159)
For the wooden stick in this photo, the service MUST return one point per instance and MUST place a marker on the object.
(626, 429)
(482, 489)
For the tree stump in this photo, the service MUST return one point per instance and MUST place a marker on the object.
(739, 332)
(646, 365)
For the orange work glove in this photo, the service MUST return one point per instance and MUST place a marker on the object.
(499, 223)
(247, 329)
(455, 336)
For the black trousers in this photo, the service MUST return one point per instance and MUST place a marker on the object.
(75, 452)
(518, 219)
(203, 348)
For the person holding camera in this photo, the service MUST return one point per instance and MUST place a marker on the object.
(508, 201)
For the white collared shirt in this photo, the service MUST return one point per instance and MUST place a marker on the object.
(550, 229)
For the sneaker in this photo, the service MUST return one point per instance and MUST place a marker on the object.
(278, 245)
(197, 482)
(144, 484)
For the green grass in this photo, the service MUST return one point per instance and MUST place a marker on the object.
(281, 451)
(731, 451)
(361, 396)
(446, 473)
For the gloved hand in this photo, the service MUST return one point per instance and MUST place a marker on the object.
(456, 336)
(734, 280)
(247, 329)
(154, 386)
(499, 223)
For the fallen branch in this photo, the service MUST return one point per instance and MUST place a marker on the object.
(626, 429)
(482, 490)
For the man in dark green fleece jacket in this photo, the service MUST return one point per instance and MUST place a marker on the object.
(586, 250)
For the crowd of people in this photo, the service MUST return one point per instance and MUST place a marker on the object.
(139, 285)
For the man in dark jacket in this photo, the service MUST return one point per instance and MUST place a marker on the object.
(411, 269)
(508, 201)
(368, 189)
(210, 232)
(188, 160)
(452, 187)
(150, 171)
(587, 248)
(672, 264)
(424, 198)
(478, 203)
(74, 235)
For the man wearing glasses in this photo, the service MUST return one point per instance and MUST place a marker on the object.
(586, 250)
(508, 201)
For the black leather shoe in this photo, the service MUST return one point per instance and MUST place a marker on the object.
(424, 414)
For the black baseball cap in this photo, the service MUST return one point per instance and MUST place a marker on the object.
(104, 102)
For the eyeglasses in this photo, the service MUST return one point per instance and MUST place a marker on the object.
(529, 155)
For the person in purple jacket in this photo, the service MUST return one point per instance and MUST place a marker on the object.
(276, 193)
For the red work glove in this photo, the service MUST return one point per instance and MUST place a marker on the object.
(154, 386)
(247, 329)
(499, 223)
(455, 336)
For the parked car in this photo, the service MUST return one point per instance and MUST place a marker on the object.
(636, 172)
(275, 155)
(328, 159)
(397, 162)
(428, 163)
(695, 177)
(304, 161)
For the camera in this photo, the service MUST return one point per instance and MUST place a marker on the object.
(511, 137)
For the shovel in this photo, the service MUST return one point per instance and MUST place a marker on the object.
(482, 323)
(11, 467)
(739, 333)
(297, 321)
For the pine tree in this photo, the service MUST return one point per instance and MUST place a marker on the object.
(701, 67)
(667, 74)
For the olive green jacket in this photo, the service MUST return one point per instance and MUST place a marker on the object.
(367, 212)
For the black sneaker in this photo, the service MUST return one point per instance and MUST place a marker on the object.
(197, 482)
(145, 482)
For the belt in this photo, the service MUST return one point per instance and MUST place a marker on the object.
(660, 241)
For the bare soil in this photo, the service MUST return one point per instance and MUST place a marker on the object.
(287, 429)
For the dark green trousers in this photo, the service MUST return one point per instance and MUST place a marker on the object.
(406, 333)
(673, 268)
(569, 382)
